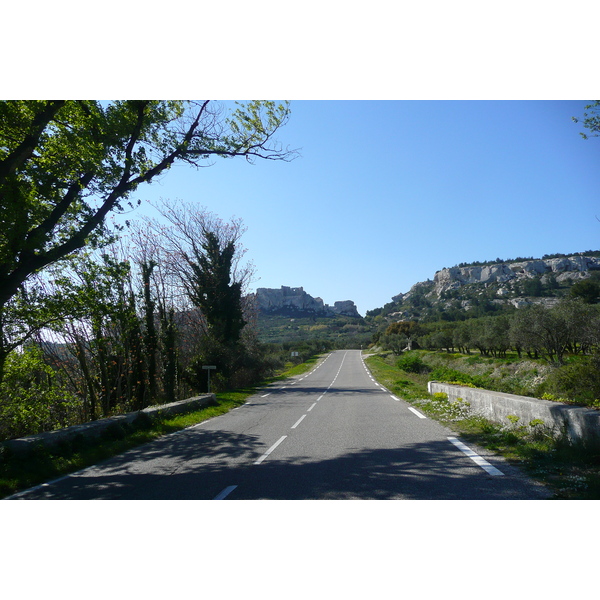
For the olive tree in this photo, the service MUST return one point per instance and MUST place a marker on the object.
(551, 332)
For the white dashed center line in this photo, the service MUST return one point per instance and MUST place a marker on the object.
(270, 449)
(298, 422)
(222, 495)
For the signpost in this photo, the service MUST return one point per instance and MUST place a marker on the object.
(208, 369)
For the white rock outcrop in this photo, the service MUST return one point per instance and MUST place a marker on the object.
(346, 308)
(297, 299)
(294, 300)
(574, 267)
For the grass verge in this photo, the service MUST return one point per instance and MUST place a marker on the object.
(571, 472)
(44, 464)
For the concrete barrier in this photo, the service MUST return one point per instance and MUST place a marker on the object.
(578, 424)
(96, 428)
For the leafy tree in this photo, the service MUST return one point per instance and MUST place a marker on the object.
(461, 337)
(168, 339)
(151, 335)
(532, 287)
(219, 299)
(439, 336)
(32, 396)
(214, 293)
(401, 335)
(105, 333)
(591, 120)
(65, 165)
(587, 290)
(498, 328)
(488, 334)
(203, 256)
(551, 332)
(551, 283)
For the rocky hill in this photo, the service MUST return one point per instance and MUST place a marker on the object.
(508, 274)
(492, 286)
(295, 302)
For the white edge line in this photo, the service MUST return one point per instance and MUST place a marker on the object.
(417, 412)
(222, 495)
(40, 486)
(484, 464)
(270, 449)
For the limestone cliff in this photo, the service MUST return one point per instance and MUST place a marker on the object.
(481, 287)
(346, 308)
(295, 301)
(572, 267)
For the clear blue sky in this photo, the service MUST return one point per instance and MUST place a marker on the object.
(385, 193)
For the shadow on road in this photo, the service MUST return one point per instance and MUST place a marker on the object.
(198, 464)
(174, 467)
(422, 471)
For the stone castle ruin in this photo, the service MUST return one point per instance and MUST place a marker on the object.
(294, 301)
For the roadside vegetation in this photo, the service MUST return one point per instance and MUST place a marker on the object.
(101, 316)
(43, 464)
(570, 471)
(135, 328)
(545, 352)
(333, 332)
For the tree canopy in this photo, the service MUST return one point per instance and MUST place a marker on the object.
(66, 164)
(591, 120)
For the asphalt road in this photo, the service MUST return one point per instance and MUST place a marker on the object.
(333, 433)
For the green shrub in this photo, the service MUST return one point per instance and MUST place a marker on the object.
(412, 363)
(403, 382)
(31, 398)
(462, 383)
(578, 382)
(449, 375)
(473, 360)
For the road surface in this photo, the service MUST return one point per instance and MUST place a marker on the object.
(333, 433)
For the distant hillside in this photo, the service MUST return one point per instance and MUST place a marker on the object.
(589, 253)
(339, 331)
(290, 315)
(476, 289)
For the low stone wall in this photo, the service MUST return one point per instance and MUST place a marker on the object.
(96, 428)
(577, 423)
